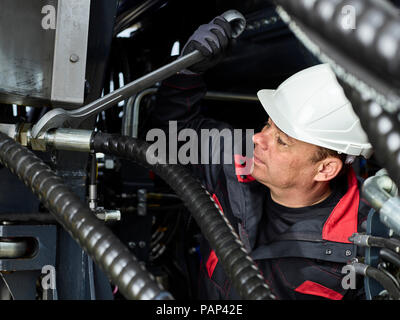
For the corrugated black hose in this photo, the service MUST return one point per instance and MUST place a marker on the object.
(384, 280)
(240, 268)
(382, 128)
(376, 23)
(122, 268)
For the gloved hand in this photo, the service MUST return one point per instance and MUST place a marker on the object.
(211, 40)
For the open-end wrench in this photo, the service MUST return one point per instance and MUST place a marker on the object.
(60, 118)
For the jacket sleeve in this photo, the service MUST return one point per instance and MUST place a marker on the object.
(178, 102)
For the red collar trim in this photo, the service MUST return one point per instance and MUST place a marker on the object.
(342, 222)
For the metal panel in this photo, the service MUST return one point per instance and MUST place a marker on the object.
(45, 236)
(36, 67)
(70, 52)
(26, 52)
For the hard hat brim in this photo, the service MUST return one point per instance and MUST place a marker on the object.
(267, 100)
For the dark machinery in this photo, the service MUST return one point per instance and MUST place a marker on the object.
(84, 215)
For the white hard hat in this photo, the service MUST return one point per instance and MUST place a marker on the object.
(311, 106)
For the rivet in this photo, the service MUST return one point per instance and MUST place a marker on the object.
(74, 58)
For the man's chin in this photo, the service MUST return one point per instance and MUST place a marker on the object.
(256, 172)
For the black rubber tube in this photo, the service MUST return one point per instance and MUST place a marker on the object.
(391, 244)
(390, 256)
(240, 268)
(376, 24)
(384, 280)
(122, 268)
(382, 128)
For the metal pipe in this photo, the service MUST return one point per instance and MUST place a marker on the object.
(69, 139)
(136, 108)
(134, 102)
(93, 182)
(378, 189)
(389, 214)
(127, 117)
(13, 249)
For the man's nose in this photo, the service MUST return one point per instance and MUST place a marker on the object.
(261, 140)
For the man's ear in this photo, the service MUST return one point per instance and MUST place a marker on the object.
(328, 169)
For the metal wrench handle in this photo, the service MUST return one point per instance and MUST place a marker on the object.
(58, 117)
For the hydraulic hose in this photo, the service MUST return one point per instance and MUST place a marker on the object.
(240, 268)
(366, 30)
(382, 128)
(380, 277)
(93, 236)
(390, 256)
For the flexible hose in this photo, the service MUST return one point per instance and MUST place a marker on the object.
(382, 128)
(371, 38)
(390, 256)
(240, 268)
(374, 273)
(385, 281)
(391, 244)
(93, 236)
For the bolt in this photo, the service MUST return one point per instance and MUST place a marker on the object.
(348, 253)
(74, 58)
(131, 245)
(328, 251)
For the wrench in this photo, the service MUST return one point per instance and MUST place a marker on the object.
(59, 118)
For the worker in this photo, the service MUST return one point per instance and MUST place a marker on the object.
(297, 208)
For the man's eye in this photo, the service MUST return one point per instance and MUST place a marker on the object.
(281, 142)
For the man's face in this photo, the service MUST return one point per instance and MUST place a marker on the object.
(281, 161)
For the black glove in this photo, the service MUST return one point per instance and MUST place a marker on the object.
(212, 40)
